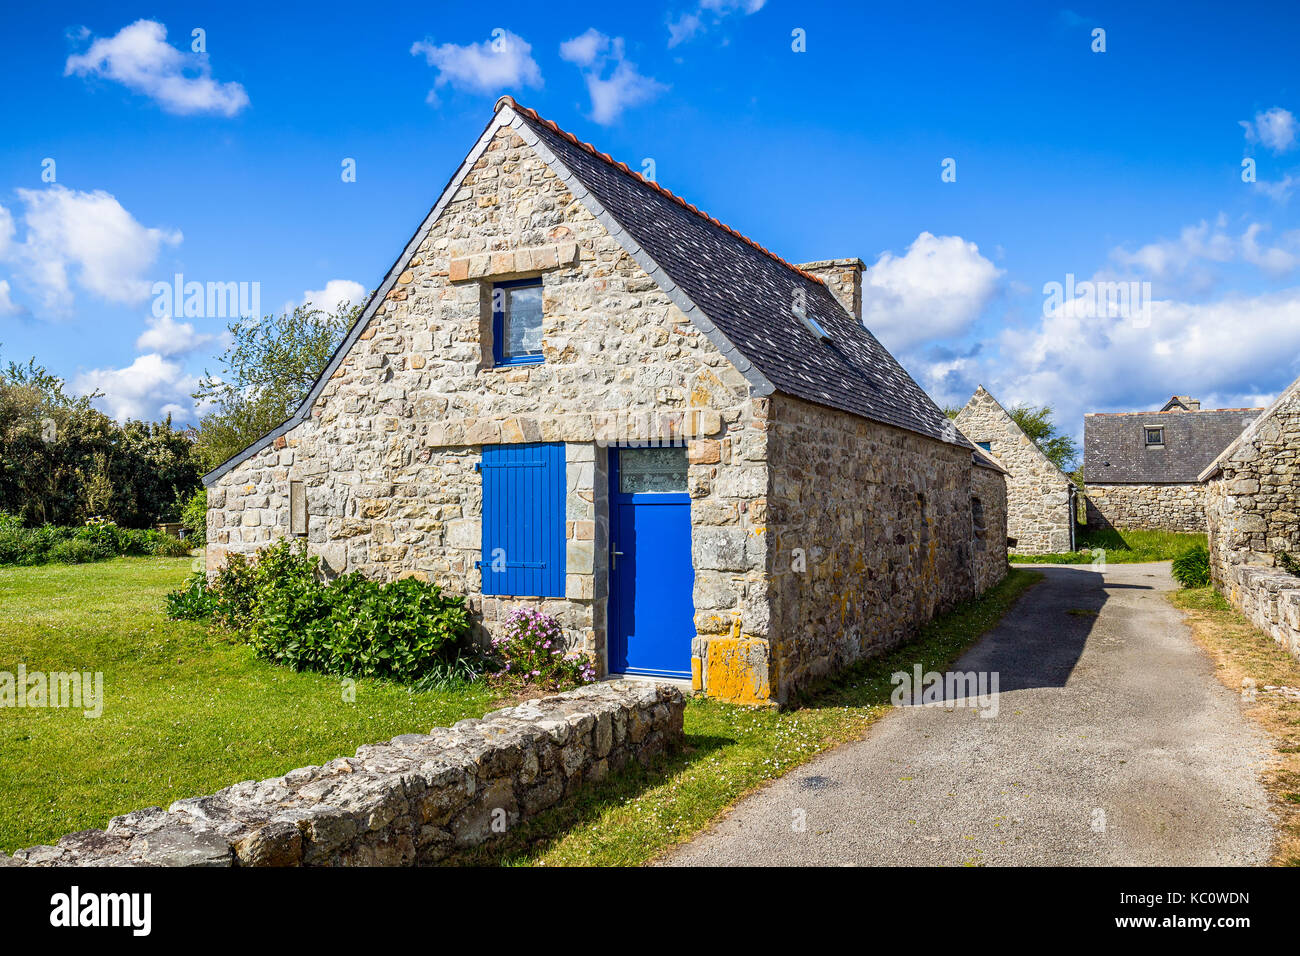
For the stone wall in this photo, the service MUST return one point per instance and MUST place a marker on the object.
(1038, 494)
(1164, 507)
(1268, 597)
(870, 533)
(990, 533)
(416, 799)
(388, 455)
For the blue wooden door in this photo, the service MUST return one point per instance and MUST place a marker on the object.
(651, 610)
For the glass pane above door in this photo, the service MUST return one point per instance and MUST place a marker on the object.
(651, 470)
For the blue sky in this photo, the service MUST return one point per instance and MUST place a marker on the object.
(1117, 165)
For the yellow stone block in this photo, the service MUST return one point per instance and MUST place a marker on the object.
(736, 671)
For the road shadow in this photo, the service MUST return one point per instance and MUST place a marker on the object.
(1039, 643)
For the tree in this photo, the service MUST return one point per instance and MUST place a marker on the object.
(1038, 425)
(265, 374)
(62, 461)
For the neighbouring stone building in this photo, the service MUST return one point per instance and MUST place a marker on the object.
(1040, 497)
(1252, 509)
(1141, 469)
(576, 391)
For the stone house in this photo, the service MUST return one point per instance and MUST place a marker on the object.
(576, 391)
(1141, 469)
(1040, 497)
(1252, 510)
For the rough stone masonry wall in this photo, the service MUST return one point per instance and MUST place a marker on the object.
(990, 487)
(1268, 597)
(870, 535)
(388, 455)
(1252, 509)
(1163, 507)
(418, 799)
(1038, 494)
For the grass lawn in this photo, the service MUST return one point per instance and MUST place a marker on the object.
(1240, 651)
(185, 712)
(1121, 547)
(635, 816)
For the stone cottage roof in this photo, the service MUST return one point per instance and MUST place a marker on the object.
(743, 297)
(1115, 450)
(1288, 396)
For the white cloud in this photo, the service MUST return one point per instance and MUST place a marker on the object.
(584, 48)
(1277, 260)
(689, 25)
(1227, 351)
(623, 87)
(503, 61)
(934, 291)
(1280, 190)
(7, 304)
(84, 236)
(1275, 129)
(146, 389)
(165, 336)
(1171, 258)
(335, 294)
(140, 58)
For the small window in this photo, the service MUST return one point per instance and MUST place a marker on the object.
(986, 445)
(517, 322)
(1155, 436)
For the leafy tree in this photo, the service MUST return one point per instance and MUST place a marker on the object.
(265, 374)
(1038, 425)
(62, 461)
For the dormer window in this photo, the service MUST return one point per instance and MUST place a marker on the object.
(1155, 435)
(517, 322)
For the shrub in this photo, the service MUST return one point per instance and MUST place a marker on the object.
(1288, 563)
(167, 546)
(359, 628)
(234, 591)
(193, 600)
(532, 646)
(194, 515)
(102, 535)
(74, 551)
(404, 630)
(1191, 569)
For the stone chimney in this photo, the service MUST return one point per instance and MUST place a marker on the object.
(844, 278)
(1185, 402)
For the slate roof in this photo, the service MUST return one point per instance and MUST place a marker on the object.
(1115, 450)
(748, 293)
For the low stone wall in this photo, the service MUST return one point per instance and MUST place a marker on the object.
(1172, 507)
(1269, 598)
(416, 799)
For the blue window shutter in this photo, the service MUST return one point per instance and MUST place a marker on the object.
(523, 520)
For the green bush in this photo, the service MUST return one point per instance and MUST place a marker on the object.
(74, 551)
(194, 515)
(193, 600)
(168, 546)
(1191, 569)
(403, 630)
